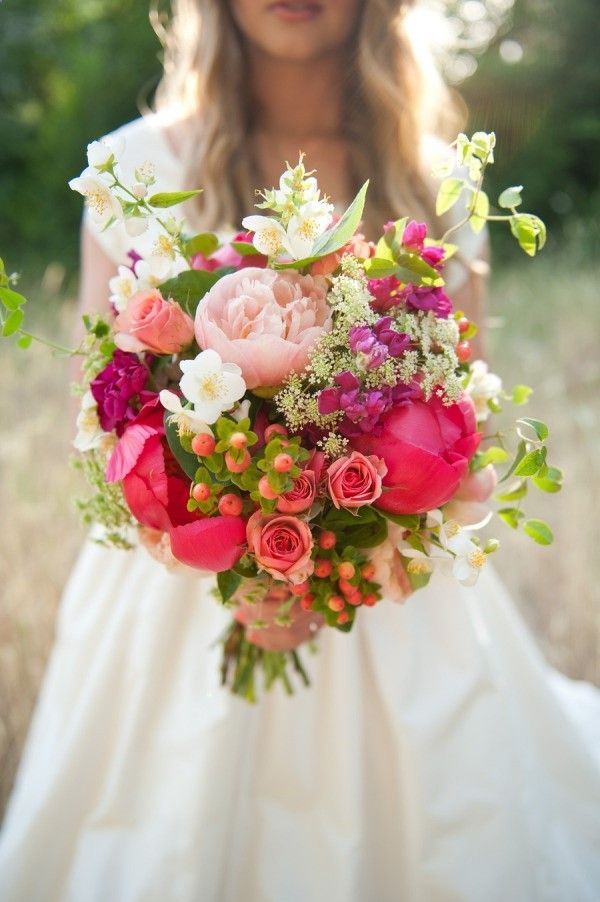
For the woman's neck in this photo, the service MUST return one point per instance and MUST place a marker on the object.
(297, 100)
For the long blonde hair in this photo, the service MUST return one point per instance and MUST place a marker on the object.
(394, 98)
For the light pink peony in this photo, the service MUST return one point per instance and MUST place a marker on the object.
(265, 321)
(151, 323)
(282, 546)
(355, 480)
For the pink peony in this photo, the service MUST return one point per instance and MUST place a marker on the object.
(301, 496)
(355, 480)
(151, 323)
(427, 446)
(265, 321)
(282, 546)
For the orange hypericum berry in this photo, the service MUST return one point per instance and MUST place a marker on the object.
(306, 602)
(370, 599)
(201, 491)
(275, 429)
(203, 444)
(336, 603)
(230, 505)
(238, 440)
(233, 466)
(265, 489)
(283, 463)
(300, 588)
(327, 540)
(355, 599)
(463, 351)
(346, 570)
(368, 571)
(344, 617)
(323, 568)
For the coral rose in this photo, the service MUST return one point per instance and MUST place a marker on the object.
(355, 480)
(300, 496)
(264, 321)
(282, 546)
(427, 446)
(151, 323)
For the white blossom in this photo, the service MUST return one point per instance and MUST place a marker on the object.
(186, 417)
(90, 434)
(482, 387)
(104, 207)
(122, 286)
(104, 152)
(269, 235)
(211, 385)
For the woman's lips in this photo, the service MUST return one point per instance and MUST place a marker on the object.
(296, 10)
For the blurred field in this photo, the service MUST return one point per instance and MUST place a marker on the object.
(555, 301)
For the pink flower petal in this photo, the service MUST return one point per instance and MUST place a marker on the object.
(214, 544)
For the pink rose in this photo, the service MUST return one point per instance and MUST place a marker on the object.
(282, 546)
(301, 496)
(264, 321)
(427, 446)
(150, 323)
(355, 480)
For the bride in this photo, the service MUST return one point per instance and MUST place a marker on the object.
(432, 759)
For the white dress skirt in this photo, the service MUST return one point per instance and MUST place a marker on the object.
(435, 758)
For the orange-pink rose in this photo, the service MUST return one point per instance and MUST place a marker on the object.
(151, 323)
(264, 321)
(355, 480)
(300, 496)
(282, 546)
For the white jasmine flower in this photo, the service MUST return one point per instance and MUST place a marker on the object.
(269, 235)
(186, 418)
(241, 412)
(468, 564)
(100, 201)
(166, 247)
(122, 286)
(140, 190)
(482, 387)
(211, 385)
(152, 271)
(103, 153)
(306, 226)
(90, 434)
(146, 173)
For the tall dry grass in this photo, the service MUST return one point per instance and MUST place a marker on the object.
(554, 349)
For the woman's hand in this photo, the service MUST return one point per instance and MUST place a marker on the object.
(273, 637)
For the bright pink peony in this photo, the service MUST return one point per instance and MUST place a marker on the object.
(157, 491)
(355, 480)
(282, 546)
(151, 323)
(265, 321)
(427, 447)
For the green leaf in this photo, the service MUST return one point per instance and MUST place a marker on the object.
(448, 194)
(171, 198)
(205, 243)
(189, 287)
(13, 322)
(511, 197)
(546, 485)
(540, 428)
(367, 536)
(530, 232)
(12, 300)
(531, 462)
(378, 268)
(492, 455)
(480, 213)
(244, 248)
(408, 521)
(518, 491)
(521, 452)
(24, 342)
(343, 231)
(511, 516)
(539, 531)
(228, 582)
(520, 394)
(188, 462)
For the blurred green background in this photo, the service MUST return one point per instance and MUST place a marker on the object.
(72, 70)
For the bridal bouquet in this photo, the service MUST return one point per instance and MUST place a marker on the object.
(295, 409)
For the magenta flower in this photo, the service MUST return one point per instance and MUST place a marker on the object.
(386, 293)
(425, 297)
(116, 388)
(434, 255)
(414, 235)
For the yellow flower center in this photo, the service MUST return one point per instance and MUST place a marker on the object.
(417, 567)
(477, 559)
(212, 386)
(97, 199)
(452, 528)
(308, 229)
(271, 239)
(165, 247)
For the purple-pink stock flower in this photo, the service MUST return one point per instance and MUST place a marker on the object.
(414, 235)
(424, 297)
(386, 293)
(115, 387)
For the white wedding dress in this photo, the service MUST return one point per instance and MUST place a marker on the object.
(435, 758)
